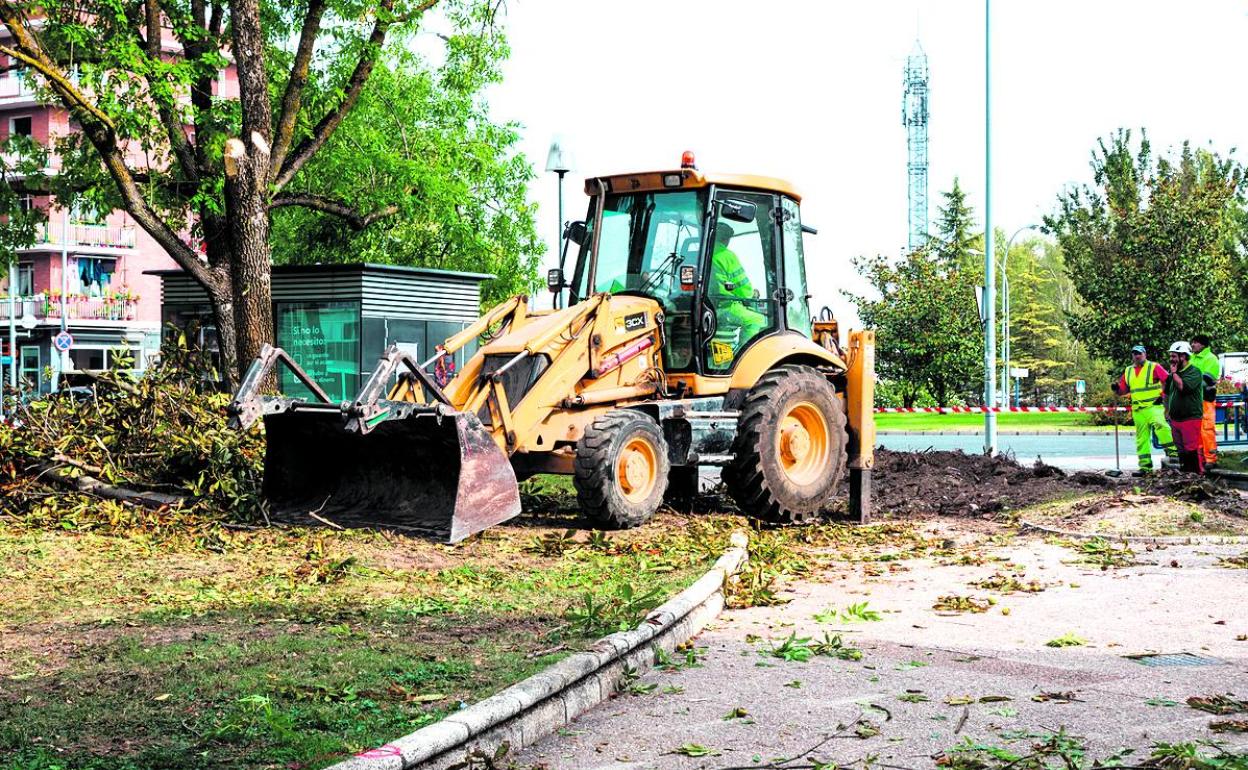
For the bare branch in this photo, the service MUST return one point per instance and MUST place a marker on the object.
(355, 84)
(165, 103)
(293, 97)
(328, 205)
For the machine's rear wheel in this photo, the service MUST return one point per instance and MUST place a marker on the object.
(621, 469)
(790, 450)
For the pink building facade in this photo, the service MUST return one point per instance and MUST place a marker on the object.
(86, 274)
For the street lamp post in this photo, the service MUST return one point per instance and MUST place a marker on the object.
(559, 160)
(990, 342)
(1005, 319)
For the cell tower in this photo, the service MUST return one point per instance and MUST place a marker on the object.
(914, 118)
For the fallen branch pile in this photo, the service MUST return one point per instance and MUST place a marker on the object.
(137, 451)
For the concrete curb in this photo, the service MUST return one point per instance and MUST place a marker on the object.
(553, 697)
(1236, 479)
(1146, 539)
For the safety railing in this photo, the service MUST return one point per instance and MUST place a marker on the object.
(45, 307)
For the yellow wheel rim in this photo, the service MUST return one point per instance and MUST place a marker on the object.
(802, 443)
(637, 469)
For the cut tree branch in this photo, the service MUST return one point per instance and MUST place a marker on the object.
(328, 205)
(292, 99)
(355, 84)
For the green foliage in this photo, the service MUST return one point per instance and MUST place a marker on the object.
(361, 132)
(20, 159)
(858, 612)
(928, 334)
(1105, 554)
(1155, 247)
(1042, 301)
(1066, 640)
(795, 649)
(602, 613)
(420, 143)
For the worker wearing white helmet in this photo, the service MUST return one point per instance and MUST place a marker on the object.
(1184, 397)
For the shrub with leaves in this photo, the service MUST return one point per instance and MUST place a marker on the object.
(162, 433)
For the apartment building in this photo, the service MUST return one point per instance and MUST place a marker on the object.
(88, 274)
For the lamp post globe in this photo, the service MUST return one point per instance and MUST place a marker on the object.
(559, 160)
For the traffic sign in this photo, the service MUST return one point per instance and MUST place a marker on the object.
(63, 342)
(1081, 387)
(6, 360)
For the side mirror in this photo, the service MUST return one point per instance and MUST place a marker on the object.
(554, 279)
(738, 211)
(575, 232)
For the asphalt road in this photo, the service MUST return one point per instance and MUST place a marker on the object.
(932, 680)
(1068, 451)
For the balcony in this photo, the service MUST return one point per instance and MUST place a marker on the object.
(94, 238)
(46, 310)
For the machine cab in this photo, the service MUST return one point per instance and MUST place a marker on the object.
(721, 255)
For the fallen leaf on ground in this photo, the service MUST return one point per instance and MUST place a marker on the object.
(1218, 704)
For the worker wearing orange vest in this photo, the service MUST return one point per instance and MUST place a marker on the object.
(1142, 381)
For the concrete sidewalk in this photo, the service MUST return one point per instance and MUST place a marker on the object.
(1177, 600)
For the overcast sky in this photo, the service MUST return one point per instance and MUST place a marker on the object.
(811, 92)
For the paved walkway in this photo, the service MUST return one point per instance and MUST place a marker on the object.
(920, 667)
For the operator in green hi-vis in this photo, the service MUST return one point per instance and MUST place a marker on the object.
(728, 285)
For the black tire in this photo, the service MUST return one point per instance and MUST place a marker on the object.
(764, 477)
(604, 492)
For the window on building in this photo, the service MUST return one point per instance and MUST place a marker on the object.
(21, 126)
(324, 339)
(32, 366)
(92, 275)
(25, 279)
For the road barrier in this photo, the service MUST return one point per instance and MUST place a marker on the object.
(1011, 409)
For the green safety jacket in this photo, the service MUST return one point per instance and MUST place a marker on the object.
(728, 276)
(1143, 385)
(1208, 365)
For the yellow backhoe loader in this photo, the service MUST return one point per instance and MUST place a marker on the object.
(685, 342)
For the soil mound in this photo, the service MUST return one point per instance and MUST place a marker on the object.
(936, 483)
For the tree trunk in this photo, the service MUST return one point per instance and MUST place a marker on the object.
(222, 300)
(246, 202)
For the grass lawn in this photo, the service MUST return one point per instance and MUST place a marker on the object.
(293, 648)
(1028, 421)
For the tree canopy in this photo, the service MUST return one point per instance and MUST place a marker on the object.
(1154, 247)
(203, 172)
(928, 332)
(426, 131)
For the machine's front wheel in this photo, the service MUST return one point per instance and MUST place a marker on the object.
(621, 469)
(790, 451)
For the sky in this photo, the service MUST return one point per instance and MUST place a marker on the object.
(811, 92)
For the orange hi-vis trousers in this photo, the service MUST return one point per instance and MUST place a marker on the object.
(1209, 432)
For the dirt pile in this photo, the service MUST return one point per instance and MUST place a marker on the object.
(960, 484)
(955, 483)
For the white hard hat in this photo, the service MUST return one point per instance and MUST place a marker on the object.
(1181, 347)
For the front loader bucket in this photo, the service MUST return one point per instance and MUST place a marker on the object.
(438, 473)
